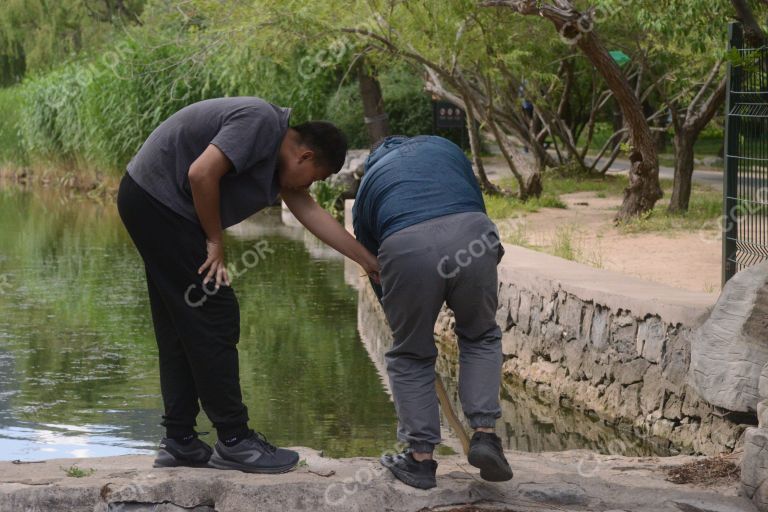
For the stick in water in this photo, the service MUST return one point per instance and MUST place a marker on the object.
(453, 418)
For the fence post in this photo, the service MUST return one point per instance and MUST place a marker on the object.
(730, 176)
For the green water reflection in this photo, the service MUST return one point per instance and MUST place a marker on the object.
(78, 369)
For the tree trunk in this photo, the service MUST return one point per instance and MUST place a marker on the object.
(529, 184)
(474, 143)
(684, 164)
(644, 189)
(376, 120)
(686, 136)
(753, 33)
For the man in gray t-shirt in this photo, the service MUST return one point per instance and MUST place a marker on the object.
(207, 167)
(247, 130)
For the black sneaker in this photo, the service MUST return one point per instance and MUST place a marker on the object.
(409, 471)
(486, 453)
(173, 454)
(253, 455)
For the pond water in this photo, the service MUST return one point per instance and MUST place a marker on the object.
(78, 365)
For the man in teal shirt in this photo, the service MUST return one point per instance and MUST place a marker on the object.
(420, 209)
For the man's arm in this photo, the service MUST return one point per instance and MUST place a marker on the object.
(363, 235)
(205, 173)
(321, 224)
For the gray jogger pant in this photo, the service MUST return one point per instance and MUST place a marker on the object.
(448, 259)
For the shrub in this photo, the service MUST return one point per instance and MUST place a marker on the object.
(11, 150)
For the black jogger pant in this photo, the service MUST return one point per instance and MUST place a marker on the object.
(197, 332)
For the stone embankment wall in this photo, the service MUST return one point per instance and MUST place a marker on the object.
(610, 345)
(613, 346)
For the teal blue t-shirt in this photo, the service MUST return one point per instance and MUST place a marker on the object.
(412, 180)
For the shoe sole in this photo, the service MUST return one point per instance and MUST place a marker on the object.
(407, 479)
(166, 460)
(227, 464)
(492, 467)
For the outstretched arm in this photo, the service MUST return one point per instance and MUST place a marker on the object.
(321, 224)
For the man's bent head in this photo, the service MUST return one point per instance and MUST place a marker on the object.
(310, 152)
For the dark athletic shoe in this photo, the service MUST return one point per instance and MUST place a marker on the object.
(486, 453)
(409, 471)
(253, 455)
(173, 454)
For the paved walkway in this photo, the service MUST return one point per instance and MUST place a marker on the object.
(566, 481)
(712, 179)
(496, 168)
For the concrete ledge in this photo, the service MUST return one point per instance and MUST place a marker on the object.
(566, 481)
(541, 273)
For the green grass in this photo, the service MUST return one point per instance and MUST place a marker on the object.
(565, 246)
(11, 150)
(329, 197)
(503, 207)
(709, 143)
(76, 472)
(554, 184)
(445, 450)
(706, 206)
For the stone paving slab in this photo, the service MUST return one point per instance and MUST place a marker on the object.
(564, 481)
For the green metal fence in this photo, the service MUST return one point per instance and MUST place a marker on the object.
(745, 191)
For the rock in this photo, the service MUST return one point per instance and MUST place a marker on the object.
(543, 371)
(624, 336)
(612, 398)
(629, 373)
(544, 482)
(762, 413)
(559, 494)
(570, 314)
(676, 362)
(662, 428)
(600, 327)
(549, 310)
(524, 312)
(594, 370)
(629, 408)
(350, 174)
(504, 312)
(586, 323)
(652, 395)
(690, 402)
(510, 343)
(754, 466)
(673, 408)
(730, 350)
(651, 339)
(347, 181)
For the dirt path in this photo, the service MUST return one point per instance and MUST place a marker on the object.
(585, 232)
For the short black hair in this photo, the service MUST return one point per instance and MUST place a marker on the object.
(327, 141)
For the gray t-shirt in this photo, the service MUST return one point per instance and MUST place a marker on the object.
(247, 130)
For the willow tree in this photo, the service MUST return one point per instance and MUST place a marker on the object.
(684, 49)
(465, 59)
(341, 35)
(38, 34)
(578, 27)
